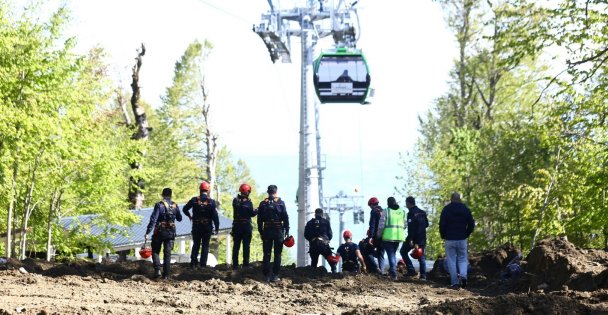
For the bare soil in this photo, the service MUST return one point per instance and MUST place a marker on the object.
(126, 288)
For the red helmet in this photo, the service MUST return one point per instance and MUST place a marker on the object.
(347, 234)
(204, 186)
(373, 201)
(245, 189)
(417, 253)
(289, 241)
(145, 253)
(332, 259)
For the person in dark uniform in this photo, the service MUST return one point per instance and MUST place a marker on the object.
(162, 220)
(243, 211)
(273, 225)
(417, 222)
(318, 234)
(368, 252)
(350, 254)
(374, 220)
(204, 218)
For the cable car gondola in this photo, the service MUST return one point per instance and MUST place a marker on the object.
(341, 76)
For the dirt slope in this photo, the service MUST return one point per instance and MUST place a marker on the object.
(125, 288)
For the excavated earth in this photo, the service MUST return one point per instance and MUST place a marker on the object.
(558, 278)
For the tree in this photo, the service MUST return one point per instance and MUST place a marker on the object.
(136, 191)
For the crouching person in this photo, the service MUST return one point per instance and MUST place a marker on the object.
(162, 220)
(350, 254)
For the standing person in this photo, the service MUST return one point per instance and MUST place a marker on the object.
(417, 222)
(162, 220)
(350, 254)
(204, 218)
(318, 234)
(273, 225)
(374, 240)
(242, 230)
(455, 226)
(392, 230)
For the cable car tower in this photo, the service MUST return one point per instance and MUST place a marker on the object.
(311, 22)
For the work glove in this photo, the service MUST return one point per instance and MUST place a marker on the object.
(146, 237)
(216, 232)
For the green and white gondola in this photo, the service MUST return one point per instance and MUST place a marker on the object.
(341, 76)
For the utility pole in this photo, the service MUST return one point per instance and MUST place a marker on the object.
(276, 29)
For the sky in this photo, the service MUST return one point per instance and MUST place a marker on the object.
(255, 103)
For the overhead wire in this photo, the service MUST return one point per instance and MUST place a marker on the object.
(237, 17)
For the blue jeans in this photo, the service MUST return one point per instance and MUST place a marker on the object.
(456, 254)
(405, 249)
(391, 252)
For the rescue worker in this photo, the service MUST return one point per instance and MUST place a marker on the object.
(242, 230)
(368, 252)
(392, 230)
(417, 222)
(273, 225)
(318, 234)
(350, 254)
(162, 220)
(374, 240)
(204, 219)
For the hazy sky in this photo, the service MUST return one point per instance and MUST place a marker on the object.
(255, 103)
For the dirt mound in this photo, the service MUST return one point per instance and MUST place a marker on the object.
(556, 264)
(484, 267)
(515, 304)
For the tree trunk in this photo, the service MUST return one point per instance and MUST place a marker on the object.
(210, 142)
(541, 215)
(136, 195)
(11, 205)
(28, 207)
(54, 203)
(123, 106)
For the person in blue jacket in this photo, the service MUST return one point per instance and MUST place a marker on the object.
(162, 221)
(242, 230)
(204, 219)
(456, 224)
(417, 222)
(273, 225)
(318, 233)
(374, 219)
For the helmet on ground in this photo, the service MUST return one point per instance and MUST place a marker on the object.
(289, 241)
(245, 189)
(417, 253)
(332, 259)
(145, 253)
(347, 234)
(204, 186)
(373, 201)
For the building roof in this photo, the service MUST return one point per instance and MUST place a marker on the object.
(134, 234)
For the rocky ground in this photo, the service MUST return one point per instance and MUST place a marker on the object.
(558, 278)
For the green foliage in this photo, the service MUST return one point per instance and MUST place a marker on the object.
(528, 158)
(55, 139)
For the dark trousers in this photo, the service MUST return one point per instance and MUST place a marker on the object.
(245, 238)
(267, 246)
(319, 247)
(200, 238)
(405, 249)
(167, 245)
